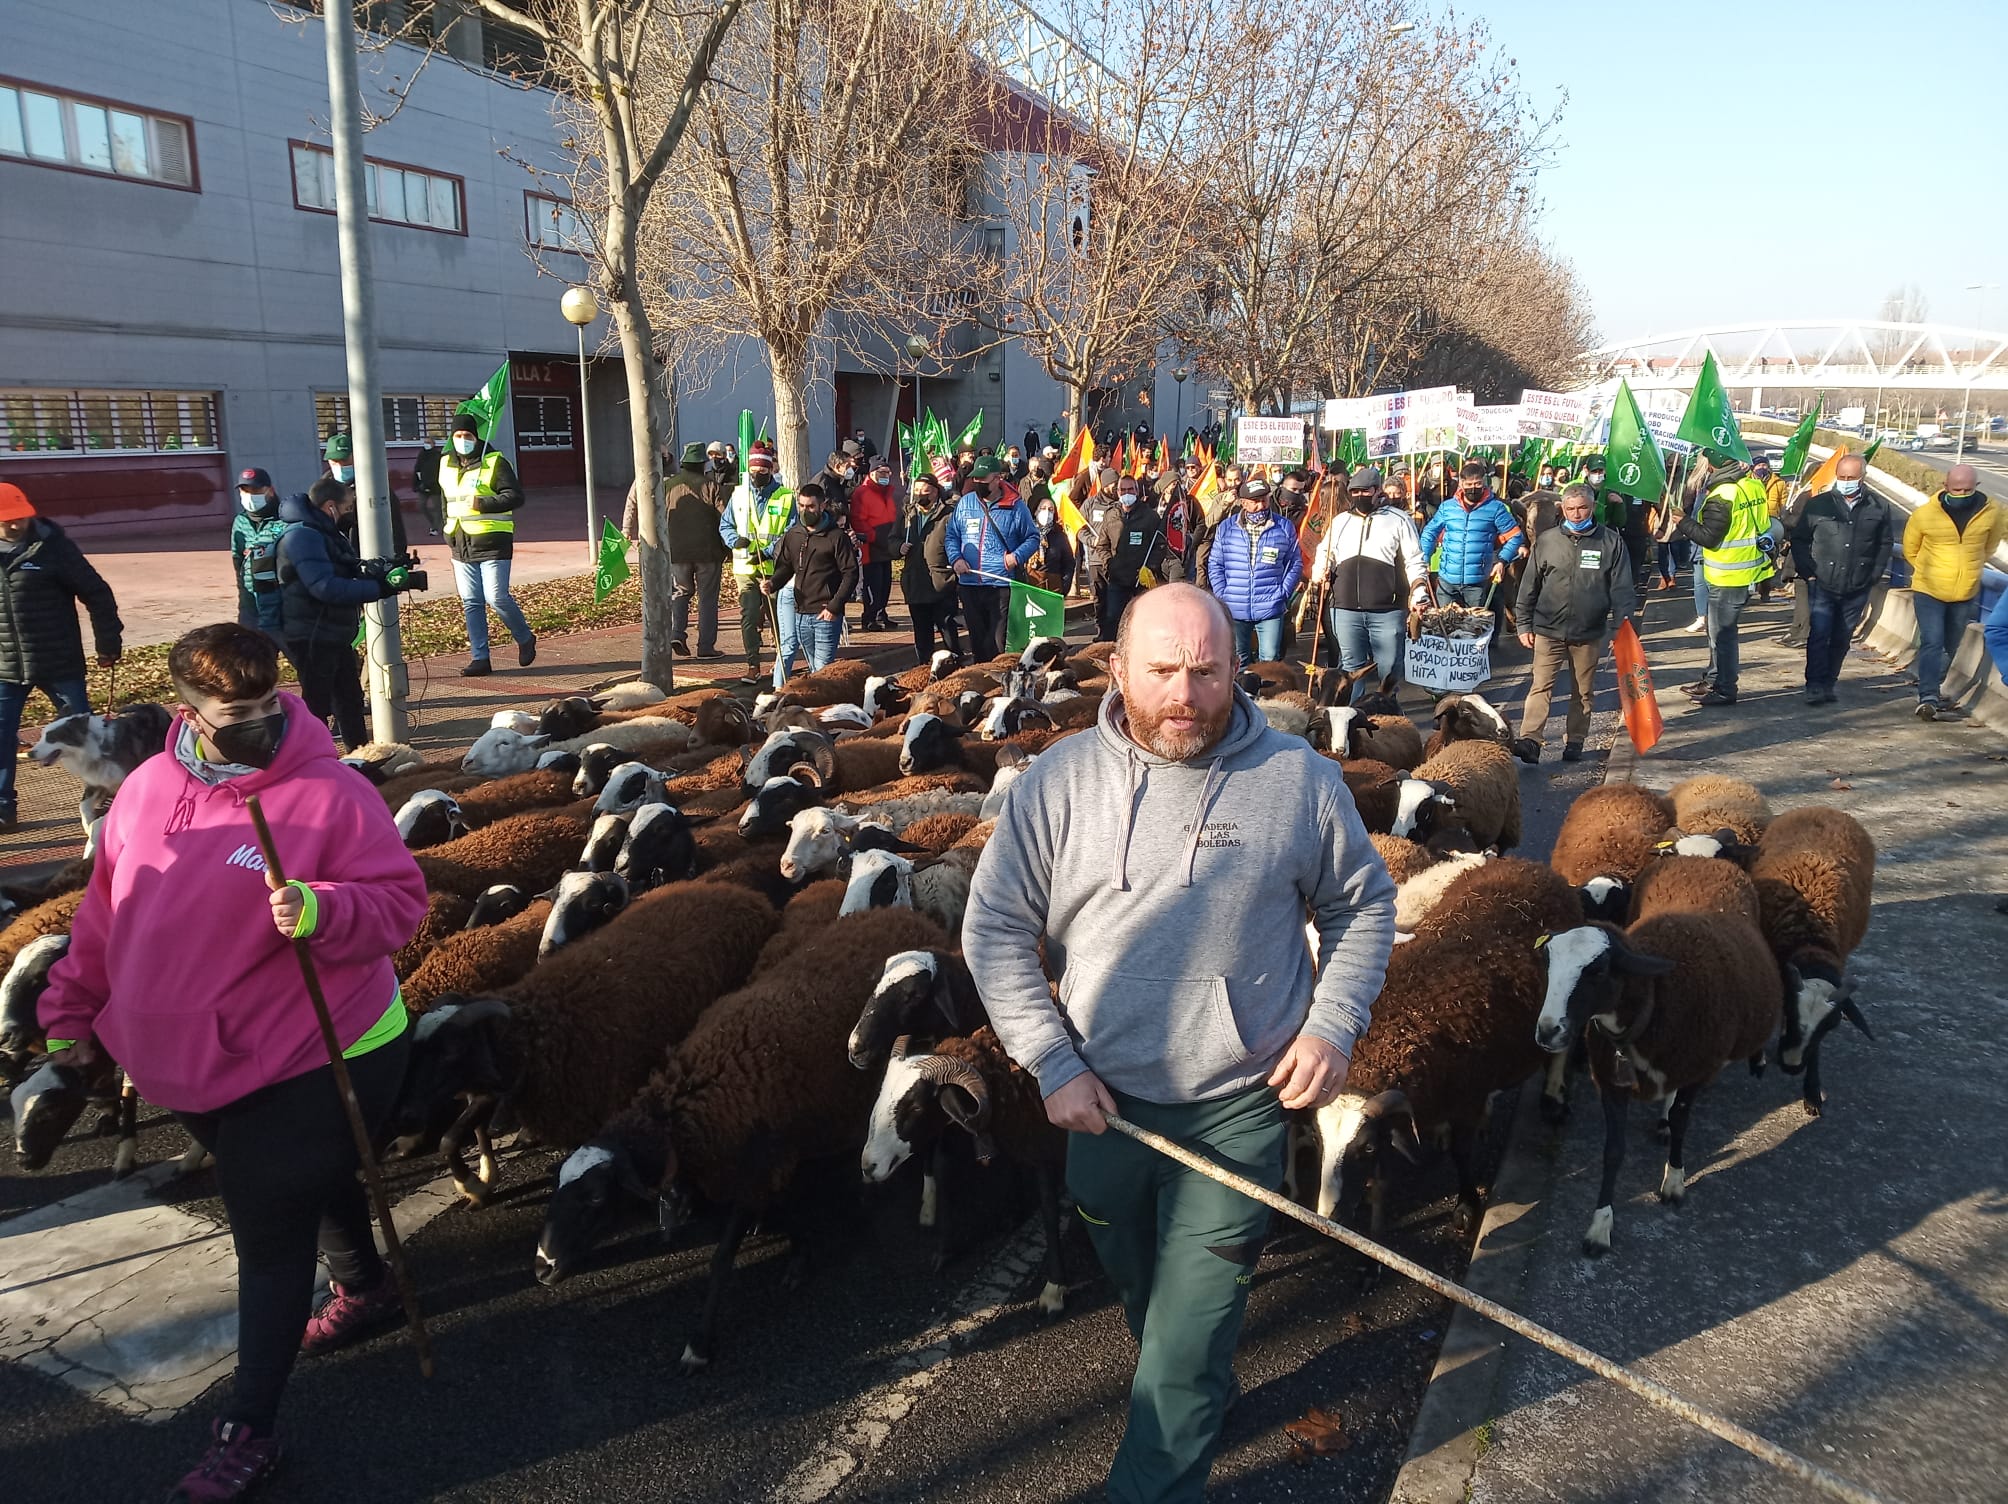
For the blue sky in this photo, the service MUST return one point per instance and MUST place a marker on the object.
(1901, 101)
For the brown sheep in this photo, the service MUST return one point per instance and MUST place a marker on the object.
(445, 776)
(1709, 802)
(482, 960)
(531, 851)
(52, 916)
(1694, 885)
(445, 913)
(942, 780)
(1505, 896)
(761, 1085)
(519, 793)
(1481, 779)
(840, 683)
(937, 832)
(1827, 855)
(1402, 857)
(571, 1042)
(1610, 831)
(812, 907)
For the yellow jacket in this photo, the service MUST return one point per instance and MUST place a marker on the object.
(1775, 492)
(1945, 563)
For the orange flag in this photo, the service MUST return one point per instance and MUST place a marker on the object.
(1079, 459)
(1636, 700)
(1822, 479)
(1082, 452)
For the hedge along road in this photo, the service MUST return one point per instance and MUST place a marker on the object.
(834, 1389)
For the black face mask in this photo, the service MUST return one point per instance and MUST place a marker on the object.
(1364, 501)
(253, 743)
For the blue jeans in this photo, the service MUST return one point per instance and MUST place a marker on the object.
(71, 698)
(819, 639)
(1259, 641)
(1468, 595)
(1940, 625)
(1831, 621)
(481, 586)
(1725, 605)
(1700, 590)
(1365, 637)
(787, 634)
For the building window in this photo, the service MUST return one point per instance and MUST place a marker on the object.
(993, 245)
(408, 418)
(395, 194)
(98, 136)
(554, 225)
(56, 422)
(543, 422)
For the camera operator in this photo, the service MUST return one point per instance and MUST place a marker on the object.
(323, 587)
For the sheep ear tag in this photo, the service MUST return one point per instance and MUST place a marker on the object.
(1540, 942)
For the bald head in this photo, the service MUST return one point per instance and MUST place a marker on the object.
(1962, 478)
(1851, 467)
(1174, 667)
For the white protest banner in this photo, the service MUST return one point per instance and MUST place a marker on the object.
(1553, 415)
(1496, 425)
(1663, 427)
(1448, 665)
(1342, 413)
(1411, 422)
(1269, 441)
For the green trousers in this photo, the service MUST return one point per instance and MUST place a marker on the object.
(1181, 1252)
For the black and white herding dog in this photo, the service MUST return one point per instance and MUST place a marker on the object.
(99, 751)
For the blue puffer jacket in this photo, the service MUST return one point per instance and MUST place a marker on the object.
(982, 535)
(1473, 538)
(1253, 573)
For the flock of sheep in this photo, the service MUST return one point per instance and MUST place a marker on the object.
(698, 948)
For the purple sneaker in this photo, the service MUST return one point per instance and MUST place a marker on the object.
(237, 1460)
(347, 1314)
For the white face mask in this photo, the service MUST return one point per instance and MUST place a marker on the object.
(345, 473)
(465, 443)
(251, 501)
(1847, 487)
(1045, 517)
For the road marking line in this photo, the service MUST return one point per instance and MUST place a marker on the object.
(133, 1301)
(869, 1421)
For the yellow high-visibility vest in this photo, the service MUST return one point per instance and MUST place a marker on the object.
(759, 525)
(461, 488)
(1738, 560)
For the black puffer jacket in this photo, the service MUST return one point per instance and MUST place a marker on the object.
(926, 576)
(693, 518)
(1845, 549)
(41, 582)
(322, 589)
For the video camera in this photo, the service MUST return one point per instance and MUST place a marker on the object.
(414, 577)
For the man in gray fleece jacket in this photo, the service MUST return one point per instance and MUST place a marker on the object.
(1171, 858)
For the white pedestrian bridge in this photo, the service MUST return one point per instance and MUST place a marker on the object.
(1864, 355)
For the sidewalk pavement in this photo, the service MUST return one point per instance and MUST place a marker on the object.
(1839, 1284)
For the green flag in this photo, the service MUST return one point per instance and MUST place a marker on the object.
(1869, 453)
(1353, 448)
(613, 562)
(1531, 451)
(486, 404)
(1034, 613)
(745, 438)
(1709, 421)
(969, 434)
(1635, 466)
(1800, 444)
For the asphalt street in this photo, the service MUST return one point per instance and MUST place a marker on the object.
(1991, 461)
(877, 1378)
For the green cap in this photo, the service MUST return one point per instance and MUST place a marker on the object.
(693, 456)
(338, 448)
(984, 468)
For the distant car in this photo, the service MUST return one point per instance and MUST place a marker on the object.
(1912, 442)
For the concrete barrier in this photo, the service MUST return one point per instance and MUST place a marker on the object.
(1974, 683)
(1894, 634)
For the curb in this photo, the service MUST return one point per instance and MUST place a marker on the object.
(1452, 1425)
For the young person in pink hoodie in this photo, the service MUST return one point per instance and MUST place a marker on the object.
(181, 967)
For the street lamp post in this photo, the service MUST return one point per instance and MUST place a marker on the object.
(580, 308)
(916, 351)
(1980, 291)
(1178, 374)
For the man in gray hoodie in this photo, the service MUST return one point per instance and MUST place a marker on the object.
(1170, 859)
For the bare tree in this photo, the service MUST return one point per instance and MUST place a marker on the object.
(1388, 145)
(1099, 176)
(1901, 305)
(605, 57)
(820, 193)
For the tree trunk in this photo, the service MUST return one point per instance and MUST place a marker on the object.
(789, 370)
(658, 664)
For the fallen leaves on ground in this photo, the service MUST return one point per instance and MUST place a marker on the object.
(1316, 1433)
(1840, 783)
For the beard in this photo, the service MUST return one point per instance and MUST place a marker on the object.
(1148, 730)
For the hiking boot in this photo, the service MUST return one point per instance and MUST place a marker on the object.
(526, 652)
(477, 668)
(752, 674)
(1830, 695)
(347, 1314)
(1572, 751)
(709, 653)
(1815, 695)
(237, 1459)
(1926, 711)
(1716, 697)
(1527, 750)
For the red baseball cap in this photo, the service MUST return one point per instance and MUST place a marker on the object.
(14, 503)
